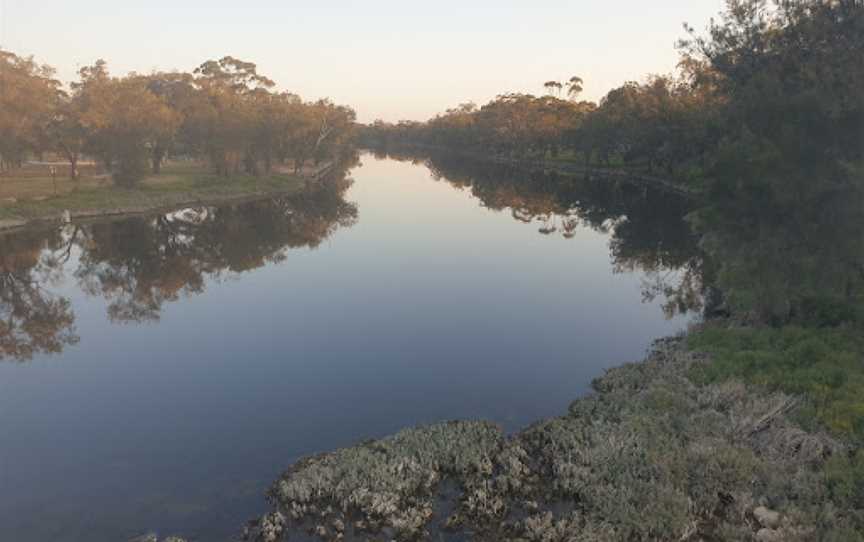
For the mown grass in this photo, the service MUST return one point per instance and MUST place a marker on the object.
(823, 365)
(177, 184)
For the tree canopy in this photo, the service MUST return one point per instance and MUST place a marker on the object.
(224, 112)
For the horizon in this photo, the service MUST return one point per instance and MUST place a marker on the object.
(437, 64)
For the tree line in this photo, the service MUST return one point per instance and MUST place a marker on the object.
(224, 111)
(660, 125)
(771, 69)
(764, 119)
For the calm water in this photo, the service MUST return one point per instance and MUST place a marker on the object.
(158, 373)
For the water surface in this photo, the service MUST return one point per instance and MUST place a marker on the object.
(159, 372)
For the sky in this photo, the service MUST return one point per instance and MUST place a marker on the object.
(388, 59)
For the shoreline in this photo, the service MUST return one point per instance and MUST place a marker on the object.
(12, 225)
(649, 455)
(561, 168)
(163, 200)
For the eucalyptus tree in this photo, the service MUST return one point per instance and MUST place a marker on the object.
(228, 88)
(86, 94)
(66, 133)
(335, 128)
(126, 121)
(177, 90)
(574, 87)
(28, 94)
(553, 88)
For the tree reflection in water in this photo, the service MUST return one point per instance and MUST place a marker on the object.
(32, 319)
(649, 230)
(139, 264)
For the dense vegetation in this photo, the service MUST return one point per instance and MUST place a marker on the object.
(765, 118)
(822, 365)
(225, 112)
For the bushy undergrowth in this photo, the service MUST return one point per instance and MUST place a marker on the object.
(823, 365)
(845, 477)
(652, 455)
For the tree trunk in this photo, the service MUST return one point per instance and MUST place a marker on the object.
(157, 157)
(250, 163)
(73, 167)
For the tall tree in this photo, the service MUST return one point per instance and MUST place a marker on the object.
(127, 120)
(574, 87)
(28, 94)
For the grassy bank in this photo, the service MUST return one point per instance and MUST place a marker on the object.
(654, 454)
(28, 198)
(823, 366)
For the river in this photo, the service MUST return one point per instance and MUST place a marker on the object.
(157, 373)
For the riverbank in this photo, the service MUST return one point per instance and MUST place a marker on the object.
(560, 166)
(178, 186)
(651, 455)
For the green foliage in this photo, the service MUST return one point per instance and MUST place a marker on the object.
(826, 366)
(131, 165)
(784, 215)
(845, 477)
(826, 312)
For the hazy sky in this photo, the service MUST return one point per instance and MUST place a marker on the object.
(388, 59)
